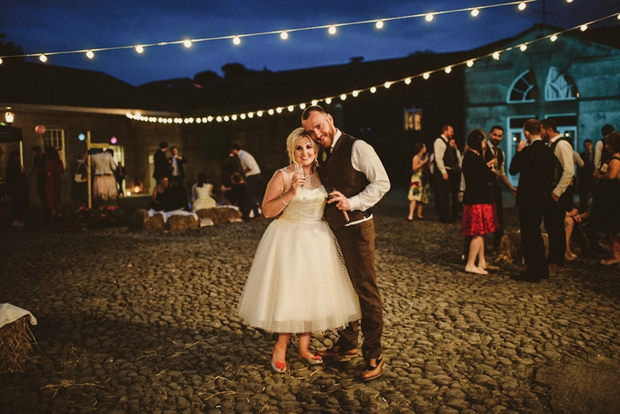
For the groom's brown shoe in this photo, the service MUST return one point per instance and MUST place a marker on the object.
(374, 369)
(336, 352)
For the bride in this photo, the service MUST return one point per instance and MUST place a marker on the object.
(298, 282)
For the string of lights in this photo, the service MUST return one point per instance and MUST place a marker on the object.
(496, 55)
(284, 34)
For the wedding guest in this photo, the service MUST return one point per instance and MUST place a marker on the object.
(37, 166)
(479, 216)
(54, 168)
(177, 170)
(253, 178)
(161, 164)
(419, 188)
(79, 183)
(104, 184)
(157, 200)
(202, 197)
(119, 175)
(605, 216)
(17, 187)
(298, 283)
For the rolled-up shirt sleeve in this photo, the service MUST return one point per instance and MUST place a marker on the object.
(365, 160)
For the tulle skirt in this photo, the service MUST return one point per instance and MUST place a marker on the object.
(298, 281)
(104, 187)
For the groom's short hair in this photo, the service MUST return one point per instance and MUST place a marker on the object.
(313, 108)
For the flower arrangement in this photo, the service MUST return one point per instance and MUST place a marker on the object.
(99, 217)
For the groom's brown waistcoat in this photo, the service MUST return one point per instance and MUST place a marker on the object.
(338, 174)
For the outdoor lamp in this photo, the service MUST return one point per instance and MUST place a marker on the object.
(9, 117)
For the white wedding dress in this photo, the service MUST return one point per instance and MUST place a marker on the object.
(298, 281)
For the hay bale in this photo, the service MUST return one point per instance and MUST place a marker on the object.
(153, 224)
(220, 214)
(16, 343)
(180, 223)
(510, 250)
(140, 218)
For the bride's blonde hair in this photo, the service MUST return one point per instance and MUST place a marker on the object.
(292, 139)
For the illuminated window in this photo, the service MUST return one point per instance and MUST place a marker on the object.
(524, 88)
(56, 138)
(560, 86)
(413, 119)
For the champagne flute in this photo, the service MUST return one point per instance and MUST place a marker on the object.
(300, 170)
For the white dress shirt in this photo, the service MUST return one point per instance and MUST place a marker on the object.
(564, 153)
(598, 152)
(365, 160)
(439, 148)
(248, 162)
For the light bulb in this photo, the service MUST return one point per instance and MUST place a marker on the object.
(234, 117)
(332, 30)
(139, 48)
(90, 54)
(355, 93)
(43, 58)
(496, 55)
(284, 35)
(259, 113)
(291, 108)
(470, 63)
(554, 38)
(379, 24)
(426, 75)
(475, 12)
(328, 101)
(523, 48)
(279, 110)
(302, 106)
(569, 1)
(271, 112)
(522, 6)
(250, 114)
(429, 17)
(343, 97)
(218, 119)
(387, 85)
(407, 81)
(226, 118)
(187, 43)
(373, 90)
(315, 102)
(0, 61)
(237, 40)
(584, 27)
(448, 69)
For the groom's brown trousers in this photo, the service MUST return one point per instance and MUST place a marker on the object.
(357, 243)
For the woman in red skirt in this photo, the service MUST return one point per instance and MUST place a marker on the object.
(479, 215)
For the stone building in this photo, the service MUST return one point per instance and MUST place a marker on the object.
(573, 77)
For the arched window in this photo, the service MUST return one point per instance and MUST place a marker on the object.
(560, 86)
(524, 89)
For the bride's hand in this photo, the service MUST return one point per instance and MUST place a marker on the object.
(297, 181)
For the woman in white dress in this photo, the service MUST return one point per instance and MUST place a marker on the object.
(201, 194)
(298, 282)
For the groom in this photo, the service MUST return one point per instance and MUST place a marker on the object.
(354, 175)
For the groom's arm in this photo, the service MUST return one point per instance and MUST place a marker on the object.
(365, 160)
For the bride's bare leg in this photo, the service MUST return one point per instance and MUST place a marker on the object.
(304, 345)
(279, 350)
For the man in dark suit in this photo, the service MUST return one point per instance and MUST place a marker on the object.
(177, 171)
(584, 175)
(160, 163)
(495, 154)
(352, 172)
(536, 164)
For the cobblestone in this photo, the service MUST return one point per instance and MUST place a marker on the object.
(139, 322)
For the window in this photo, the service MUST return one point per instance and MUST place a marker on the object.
(524, 88)
(413, 119)
(560, 86)
(56, 138)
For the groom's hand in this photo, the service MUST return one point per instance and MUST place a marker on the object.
(342, 203)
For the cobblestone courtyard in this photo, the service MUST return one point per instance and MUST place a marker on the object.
(145, 323)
